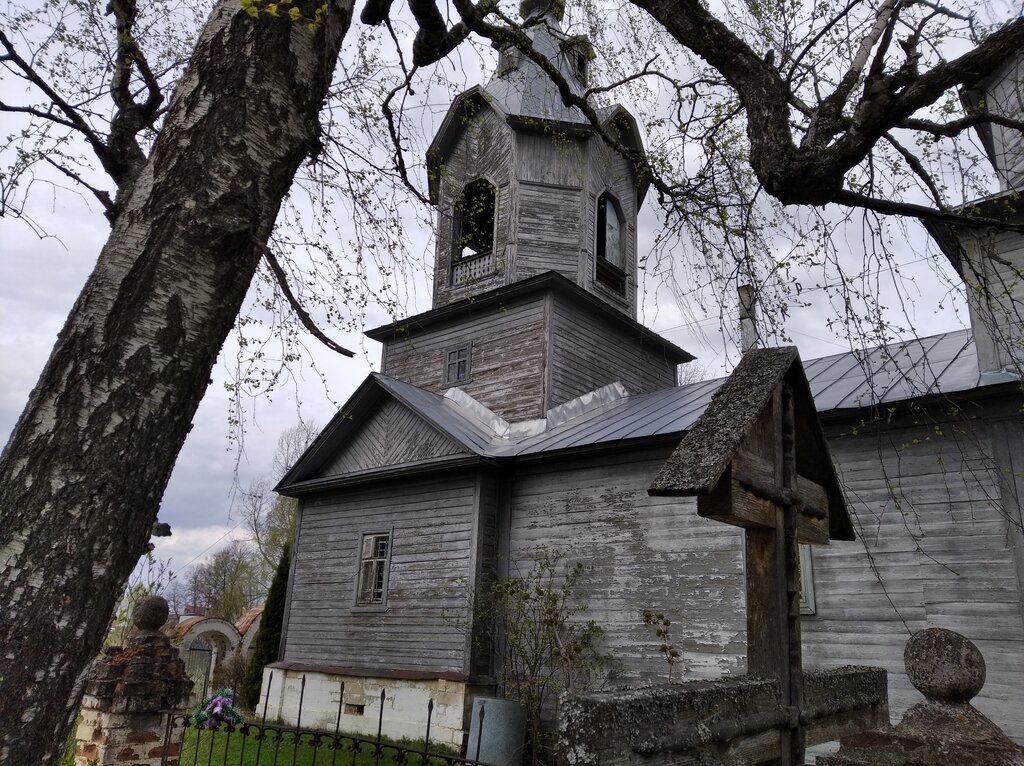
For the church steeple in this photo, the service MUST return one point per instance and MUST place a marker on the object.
(535, 270)
(523, 184)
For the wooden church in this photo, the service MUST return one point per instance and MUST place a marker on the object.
(529, 410)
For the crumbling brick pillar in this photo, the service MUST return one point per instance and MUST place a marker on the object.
(131, 693)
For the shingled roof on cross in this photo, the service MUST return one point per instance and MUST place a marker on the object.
(707, 452)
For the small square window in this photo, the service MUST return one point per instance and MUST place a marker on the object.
(373, 569)
(457, 364)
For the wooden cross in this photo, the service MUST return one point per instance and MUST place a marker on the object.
(741, 460)
(778, 509)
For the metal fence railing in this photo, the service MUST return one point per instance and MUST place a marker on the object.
(252, 743)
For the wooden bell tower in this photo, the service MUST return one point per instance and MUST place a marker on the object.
(523, 185)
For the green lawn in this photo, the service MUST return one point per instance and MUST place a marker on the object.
(206, 748)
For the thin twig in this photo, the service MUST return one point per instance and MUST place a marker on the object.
(108, 204)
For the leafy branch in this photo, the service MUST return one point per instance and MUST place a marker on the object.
(661, 625)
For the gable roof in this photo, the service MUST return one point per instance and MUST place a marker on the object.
(361, 406)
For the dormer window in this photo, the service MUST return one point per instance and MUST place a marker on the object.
(610, 247)
(474, 220)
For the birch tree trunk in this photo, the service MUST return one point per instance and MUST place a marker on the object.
(87, 463)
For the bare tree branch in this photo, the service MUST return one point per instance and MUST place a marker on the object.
(919, 170)
(131, 116)
(952, 218)
(300, 312)
(399, 153)
(956, 127)
(108, 204)
(74, 119)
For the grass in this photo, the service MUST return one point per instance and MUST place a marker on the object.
(206, 748)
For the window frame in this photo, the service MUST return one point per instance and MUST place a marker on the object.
(458, 220)
(607, 273)
(385, 571)
(508, 60)
(448, 381)
(579, 64)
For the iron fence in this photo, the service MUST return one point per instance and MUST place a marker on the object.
(271, 744)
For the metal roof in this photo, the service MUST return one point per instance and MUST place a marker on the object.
(940, 364)
(442, 413)
(936, 365)
(527, 91)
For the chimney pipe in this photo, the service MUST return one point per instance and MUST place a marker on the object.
(748, 318)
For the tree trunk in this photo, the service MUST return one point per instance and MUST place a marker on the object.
(83, 473)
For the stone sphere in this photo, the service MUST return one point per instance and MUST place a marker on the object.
(944, 666)
(151, 613)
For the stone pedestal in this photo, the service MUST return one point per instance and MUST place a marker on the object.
(945, 729)
(131, 693)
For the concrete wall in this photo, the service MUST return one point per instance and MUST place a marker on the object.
(404, 707)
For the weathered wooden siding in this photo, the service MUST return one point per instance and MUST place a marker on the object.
(1006, 97)
(643, 552)
(551, 159)
(423, 626)
(484, 150)
(547, 187)
(933, 550)
(484, 565)
(996, 297)
(393, 436)
(587, 353)
(548, 230)
(508, 345)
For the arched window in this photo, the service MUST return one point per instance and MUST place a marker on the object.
(610, 246)
(473, 232)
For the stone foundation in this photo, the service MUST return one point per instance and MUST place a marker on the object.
(404, 706)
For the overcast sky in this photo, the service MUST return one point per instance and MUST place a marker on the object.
(40, 277)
